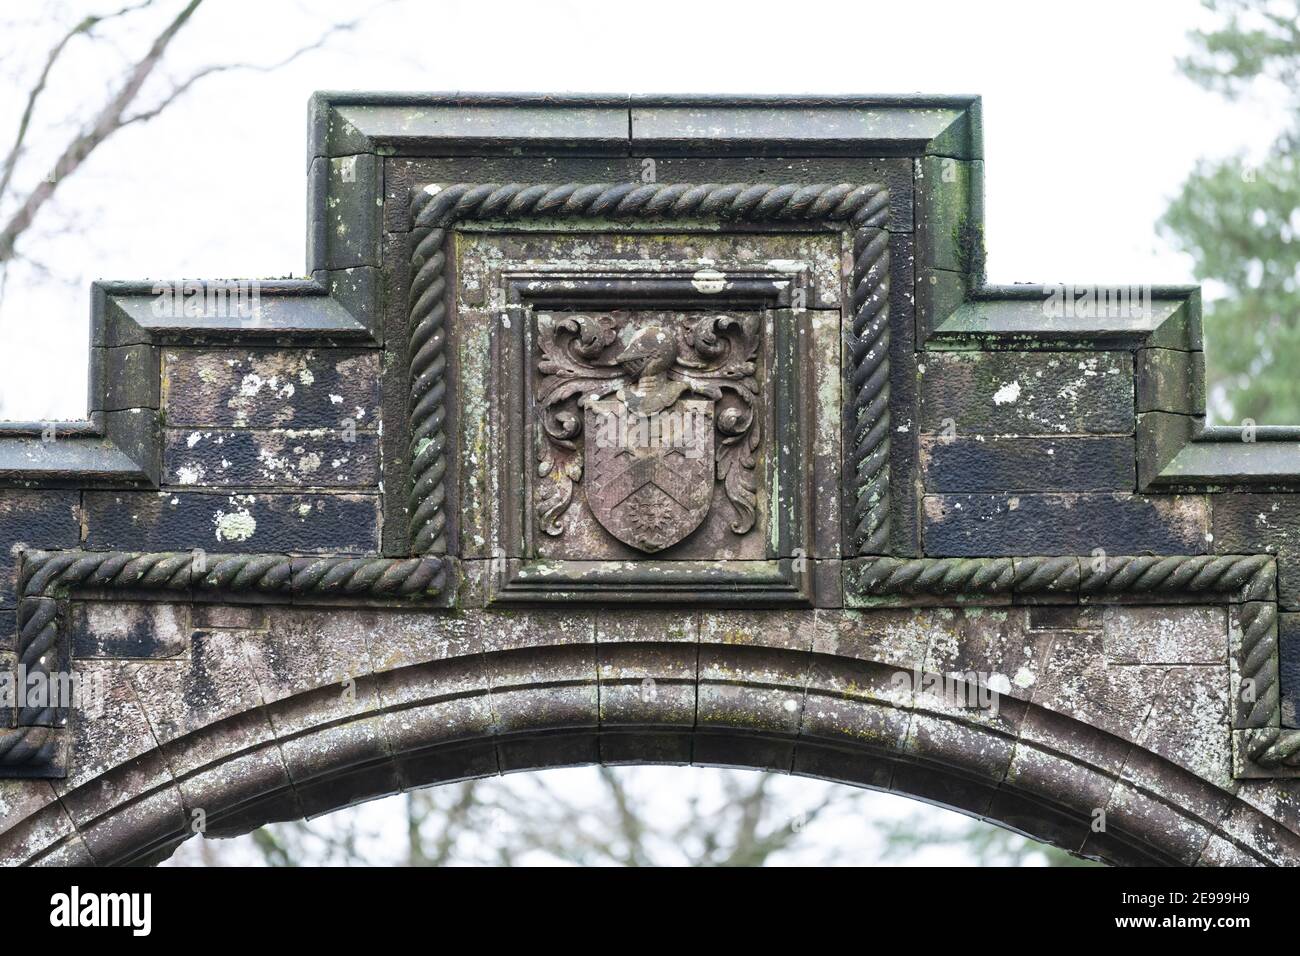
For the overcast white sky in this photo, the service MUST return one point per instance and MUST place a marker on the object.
(1089, 128)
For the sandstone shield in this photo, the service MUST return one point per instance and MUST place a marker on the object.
(649, 478)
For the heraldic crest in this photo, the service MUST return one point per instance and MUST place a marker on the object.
(647, 411)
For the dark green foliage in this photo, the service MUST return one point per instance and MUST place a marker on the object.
(1239, 221)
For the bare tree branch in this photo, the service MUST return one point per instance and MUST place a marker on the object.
(184, 86)
(83, 28)
(113, 116)
(108, 120)
(631, 826)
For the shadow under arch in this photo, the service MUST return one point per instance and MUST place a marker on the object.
(823, 715)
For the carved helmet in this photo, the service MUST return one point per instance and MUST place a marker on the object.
(651, 351)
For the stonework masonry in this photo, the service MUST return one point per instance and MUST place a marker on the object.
(873, 520)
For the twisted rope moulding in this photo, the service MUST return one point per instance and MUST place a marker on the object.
(48, 575)
(864, 208)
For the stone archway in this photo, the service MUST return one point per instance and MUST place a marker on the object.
(322, 539)
(275, 714)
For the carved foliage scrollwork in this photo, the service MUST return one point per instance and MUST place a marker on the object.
(713, 356)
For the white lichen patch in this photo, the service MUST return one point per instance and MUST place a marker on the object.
(1024, 678)
(189, 474)
(237, 525)
(709, 281)
(1007, 394)
(250, 385)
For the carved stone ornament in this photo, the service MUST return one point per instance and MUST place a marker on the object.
(647, 412)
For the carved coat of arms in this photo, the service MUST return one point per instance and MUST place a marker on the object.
(647, 416)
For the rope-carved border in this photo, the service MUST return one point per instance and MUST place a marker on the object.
(1247, 581)
(46, 577)
(863, 208)
(1245, 577)
(1274, 750)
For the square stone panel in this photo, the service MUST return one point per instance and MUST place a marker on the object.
(638, 408)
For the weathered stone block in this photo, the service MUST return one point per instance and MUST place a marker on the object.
(846, 679)
(287, 661)
(444, 681)
(557, 689)
(182, 521)
(1069, 783)
(314, 458)
(35, 834)
(849, 720)
(1246, 523)
(617, 625)
(36, 519)
(992, 646)
(131, 379)
(1170, 381)
(71, 852)
(1027, 393)
(1288, 645)
(1257, 831)
(959, 746)
(351, 222)
(243, 789)
(113, 629)
(317, 762)
(752, 689)
(646, 684)
(509, 630)
(411, 729)
(1050, 524)
(132, 829)
(1186, 726)
(20, 799)
(214, 683)
(1077, 682)
(1028, 464)
(400, 640)
(1133, 811)
(1221, 852)
(792, 630)
(270, 388)
(950, 226)
(897, 638)
(1277, 799)
(1165, 635)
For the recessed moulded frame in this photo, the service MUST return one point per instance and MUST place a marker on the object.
(788, 508)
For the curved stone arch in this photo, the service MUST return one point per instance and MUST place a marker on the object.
(273, 732)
